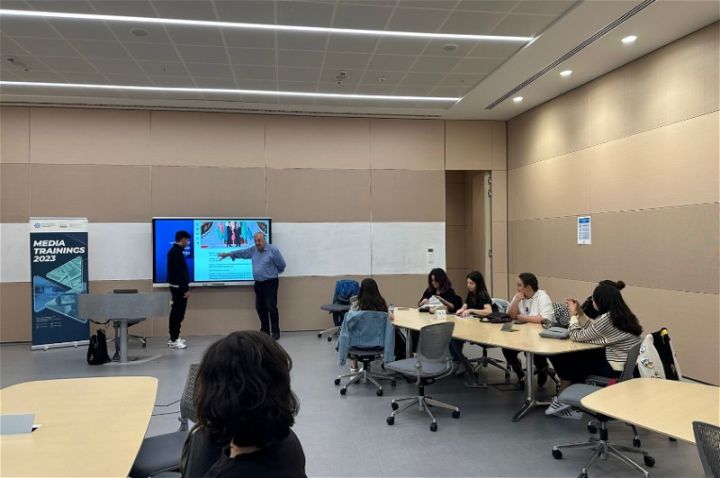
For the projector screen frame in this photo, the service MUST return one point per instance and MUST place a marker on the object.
(208, 284)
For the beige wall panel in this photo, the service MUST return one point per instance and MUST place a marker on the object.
(100, 193)
(408, 195)
(500, 246)
(186, 191)
(14, 135)
(457, 278)
(670, 248)
(499, 196)
(455, 204)
(500, 286)
(407, 144)
(565, 124)
(469, 145)
(499, 148)
(552, 188)
(14, 192)
(207, 139)
(669, 166)
(455, 247)
(476, 250)
(302, 195)
(86, 136)
(647, 93)
(525, 139)
(217, 312)
(313, 142)
(402, 290)
(15, 312)
(610, 112)
(712, 69)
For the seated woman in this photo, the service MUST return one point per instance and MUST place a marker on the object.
(439, 286)
(478, 303)
(369, 298)
(244, 402)
(616, 328)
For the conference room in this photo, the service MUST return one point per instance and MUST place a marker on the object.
(359, 238)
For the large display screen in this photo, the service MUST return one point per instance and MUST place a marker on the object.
(210, 236)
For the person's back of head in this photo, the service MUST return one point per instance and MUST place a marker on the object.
(242, 393)
(369, 297)
(608, 299)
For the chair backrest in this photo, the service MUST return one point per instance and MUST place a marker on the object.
(367, 328)
(434, 342)
(199, 454)
(707, 439)
(128, 291)
(628, 372)
(657, 357)
(344, 290)
(187, 402)
(501, 304)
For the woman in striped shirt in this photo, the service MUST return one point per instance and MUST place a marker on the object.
(616, 328)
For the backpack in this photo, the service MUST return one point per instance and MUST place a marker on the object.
(97, 353)
(657, 357)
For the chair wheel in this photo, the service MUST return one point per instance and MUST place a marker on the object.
(379, 393)
(393, 383)
(343, 391)
(394, 406)
(320, 335)
(330, 339)
(672, 439)
(637, 443)
(337, 381)
(456, 414)
(433, 427)
(557, 454)
(592, 429)
(390, 420)
(649, 461)
(582, 475)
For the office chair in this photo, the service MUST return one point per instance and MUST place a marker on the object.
(483, 361)
(365, 336)
(707, 439)
(602, 447)
(345, 291)
(431, 362)
(162, 452)
(116, 326)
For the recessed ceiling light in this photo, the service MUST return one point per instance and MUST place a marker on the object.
(260, 26)
(448, 47)
(139, 32)
(518, 99)
(566, 73)
(302, 94)
(630, 39)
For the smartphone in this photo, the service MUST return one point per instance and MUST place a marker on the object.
(508, 327)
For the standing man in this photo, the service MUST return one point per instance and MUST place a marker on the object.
(179, 280)
(267, 263)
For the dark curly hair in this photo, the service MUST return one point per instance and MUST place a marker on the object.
(242, 392)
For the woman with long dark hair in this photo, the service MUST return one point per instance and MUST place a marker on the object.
(477, 303)
(244, 403)
(439, 286)
(369, 297)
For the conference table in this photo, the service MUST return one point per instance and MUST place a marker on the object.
(667, 407)
(88, 426)
(524, 338)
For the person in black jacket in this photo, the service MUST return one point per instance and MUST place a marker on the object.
(179, 280)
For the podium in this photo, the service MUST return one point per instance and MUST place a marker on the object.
(123, 308)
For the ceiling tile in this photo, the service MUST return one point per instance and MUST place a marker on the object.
(451, 91)
(487, 5)
(67, 6)
(250, 56)
(94, 31)
(305, 59)
(75, 65)
(209, 70)
(329, 76)
(390, 62)
(401, 46)
(303, 13)
(522, 25)
(461, 79)
(413, 90)
(117, 67)
(224, 82)
(434, 4)
(462, 48)
(16, 5)
(304, 86)
(417, 20)
(87, 78)
(152, 51)
(346, 61)
(132, 8)
(435, 64)
(203, 54)
(490, 49)
(43, 76)
(46, 47)
(204, 36)
(249, 38)
(471, 23)
(361, 17)
(93, 49)
(129, 80)
(297, 74)
(377, 89)
(155, 33)
(246, 11)
(414, 79)
(254, 73)
(163, 68)
(302, 41)
(477, 65)
(554, 7)
(348, 43)
(390, 79)
(26, 27)
(187, 9)
(182, 81)
(247, 84)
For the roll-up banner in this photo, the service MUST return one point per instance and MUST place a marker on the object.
(59, 272)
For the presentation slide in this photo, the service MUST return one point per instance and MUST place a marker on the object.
(210, 236)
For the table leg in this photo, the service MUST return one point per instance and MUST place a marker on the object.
(471, 380)
(123, 341)
(530, 399)
(408, 343)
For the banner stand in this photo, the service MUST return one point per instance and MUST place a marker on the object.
(58, 273)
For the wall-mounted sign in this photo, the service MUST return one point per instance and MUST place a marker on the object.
(584, 235)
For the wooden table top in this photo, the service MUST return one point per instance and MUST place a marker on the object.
(663, 406)
(525, 338)
(89, 426)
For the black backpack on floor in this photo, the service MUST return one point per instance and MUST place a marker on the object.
(97, 353)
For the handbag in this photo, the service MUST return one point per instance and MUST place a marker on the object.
(555, 333)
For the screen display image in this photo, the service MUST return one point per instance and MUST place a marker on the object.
(210, 236)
